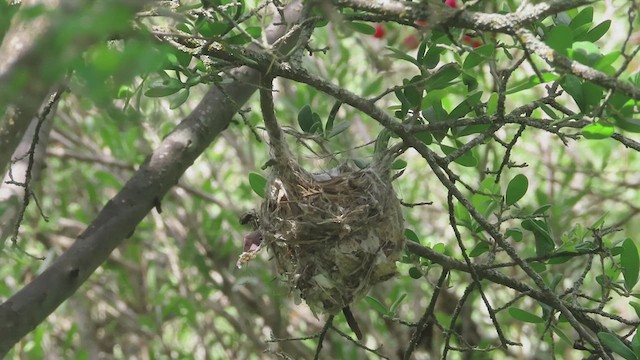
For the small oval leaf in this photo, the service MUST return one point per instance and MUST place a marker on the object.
(597, 131)
(305, 118)
(415, 273)
(258, 183)
(514, 233)
(411, 235)
(516, 189)
(399, 164)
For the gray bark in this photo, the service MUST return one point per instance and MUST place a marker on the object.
(11, 195)
(118, 219)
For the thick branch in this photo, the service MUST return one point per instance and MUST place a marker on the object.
(119, 218)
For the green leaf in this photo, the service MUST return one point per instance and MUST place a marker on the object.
(339, 128)
(397, 302)
(478, 56)
(467, 159)
(180, 98)
(376, 305)
(516, 189)
(362, 27)
(480, 248)
(398, 54)
(415, 273)
(411, 235)
(439, 247)
(164, 87)
(635, 343)
(628, 124)
(254, 31)
(425, 137)
(514, 233)
(413, 95)
(616, 345)
(544, 242)
(525, 316)
(305, 118)
(466, 106)
(636, 307)
(559, 38)
(583, 18)
(596, 33)
(542, 209)
(538, 267)
(530, 82)
(258, 183)
(492, 104)
(124, 92)
(442, 77)
(561, 334)
(362, 164)
(399, 164)
(239, 39)
(630, 262)
(597, 131)
(432, 57)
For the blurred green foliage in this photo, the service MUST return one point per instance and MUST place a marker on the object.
(173, 291)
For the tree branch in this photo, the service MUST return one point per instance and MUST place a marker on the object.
(118, 219)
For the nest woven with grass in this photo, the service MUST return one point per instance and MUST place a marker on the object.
(332, 235)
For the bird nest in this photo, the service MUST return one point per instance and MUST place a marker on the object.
(332, 235)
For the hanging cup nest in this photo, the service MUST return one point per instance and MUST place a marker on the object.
(332, 235)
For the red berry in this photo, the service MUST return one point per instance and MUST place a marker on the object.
(411, 42)
(379, 34)
(471, 41)
(421, 23)
(451, 3)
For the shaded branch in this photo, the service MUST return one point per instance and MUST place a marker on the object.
(119, 218)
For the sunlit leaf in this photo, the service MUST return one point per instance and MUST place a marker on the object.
(559, 38)
(597, 32)
(597, 131)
